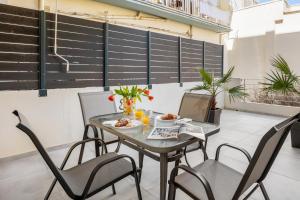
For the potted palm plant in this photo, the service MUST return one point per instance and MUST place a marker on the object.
(284, 81)
(214, 87)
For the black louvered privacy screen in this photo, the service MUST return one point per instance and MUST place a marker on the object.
(99, 54)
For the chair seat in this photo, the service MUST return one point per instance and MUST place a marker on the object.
(77, 177)
(223, 180)
(193, 147)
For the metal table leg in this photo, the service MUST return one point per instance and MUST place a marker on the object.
(163, 175)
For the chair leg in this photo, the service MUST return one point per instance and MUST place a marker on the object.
(264, 192)
(251, 192)
(82, 146)
(141, 163)
(137, 184)
(50, 189)
(172, 191)
(118, 147)
(113, 189)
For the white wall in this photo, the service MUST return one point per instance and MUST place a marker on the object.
(255, 38)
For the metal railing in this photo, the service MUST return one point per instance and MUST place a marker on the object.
(257, 94)
(193, 7)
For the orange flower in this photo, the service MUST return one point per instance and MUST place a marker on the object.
(146, 92)
(150, 98)
(111, 98)
(129, 102)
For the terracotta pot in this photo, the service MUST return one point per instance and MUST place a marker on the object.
(295, 135)
(214, 116)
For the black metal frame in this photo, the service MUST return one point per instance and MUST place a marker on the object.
(59, 177)
(42, 50)
(252, 162)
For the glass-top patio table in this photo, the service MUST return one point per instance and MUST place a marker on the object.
(163, 151)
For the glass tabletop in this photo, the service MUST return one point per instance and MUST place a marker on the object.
(138, 135)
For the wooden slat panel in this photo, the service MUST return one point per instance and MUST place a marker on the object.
(26, 30)
(164, 64)
(4, 66)
(11, 47)
(126, 36)
(128, 82)
(163, 47)
(126, 75)
(119, 48)
(129, 62)
(74, 84)
(164, 37)
(75, 44)
(18, 76)
(76, 67)
(18, 11)
(130, 43)
(74, 28)
(114, 68)
(19, 57)
(77, 52)
(13, 19)
(82, 60)
(76, 36)
(21, 85)
(157, 78)
(11, 37)
(164, 69)
(127, 30)
(125, 55)
(73, 76)
(75, 20)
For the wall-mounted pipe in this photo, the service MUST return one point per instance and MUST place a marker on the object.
(55, 42)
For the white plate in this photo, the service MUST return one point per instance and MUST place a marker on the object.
(135, 123)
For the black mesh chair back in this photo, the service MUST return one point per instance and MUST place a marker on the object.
(24, 126)
(195, 106)
(265, 154)
(94, 104)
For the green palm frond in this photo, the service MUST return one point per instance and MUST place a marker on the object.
(206, 77)
(227, 77)
(237, 92)
(283, 80)
(200, 87)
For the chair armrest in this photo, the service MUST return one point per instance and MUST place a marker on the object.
(102, 164)
(77, 144)
(244, 151)
(197, 175)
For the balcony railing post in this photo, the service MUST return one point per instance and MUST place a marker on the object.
(149, 60)
(179, 61)
(105, 57)
(42, 41)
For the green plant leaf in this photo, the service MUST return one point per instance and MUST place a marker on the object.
(237, 92)
(206, 77)
(227, 77)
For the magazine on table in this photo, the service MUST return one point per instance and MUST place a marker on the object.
(160, 133)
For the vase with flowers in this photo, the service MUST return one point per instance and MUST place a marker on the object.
(130, 96)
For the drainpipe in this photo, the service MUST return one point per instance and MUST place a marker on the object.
(55, 41)
(42, 51)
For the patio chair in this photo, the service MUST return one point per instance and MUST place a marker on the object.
(196, 107)
(213, 180)
(87, 179)
(93, 104)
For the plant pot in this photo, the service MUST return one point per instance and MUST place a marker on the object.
(214, 116)
(295, 135)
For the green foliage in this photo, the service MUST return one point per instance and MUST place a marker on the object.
(215, 86)
(133, 92)
(282, 79)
